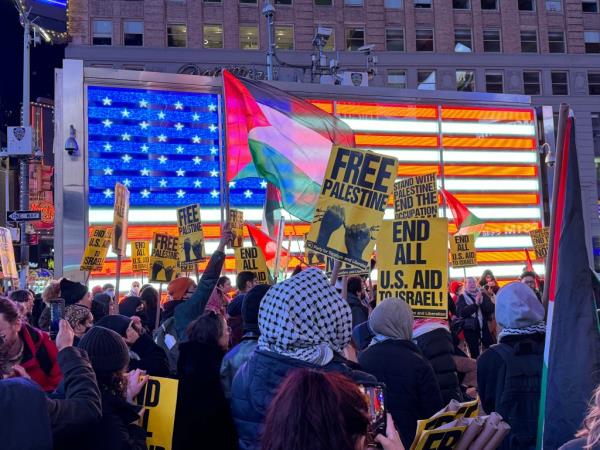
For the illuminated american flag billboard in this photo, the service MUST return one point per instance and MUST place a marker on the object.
(164, 145)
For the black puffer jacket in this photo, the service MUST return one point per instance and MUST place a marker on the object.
(436, 345)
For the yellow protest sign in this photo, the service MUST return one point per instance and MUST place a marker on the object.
(416, 197)
(163, 262)
(191, 236)
(159, 398)
(413, 265)
(351, 205)
(96, 249)
(120, 219)
(7, 255)
(462, 250)
(540, 239)
(443, 439)
(140, 256)
(236, 220)
(251, 259)
(345, 269)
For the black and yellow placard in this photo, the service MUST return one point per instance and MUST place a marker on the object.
(462, 250)
(159, 399)
(444, 439)
(191, 236)
(345, 269)
(251, 259)
(236, 221)
(540, 239)
(163, 262)
(140, 256)
(412, 256)
(416, 197)
(7, 255)
(120, 219)
(351, 205)
(96, 249)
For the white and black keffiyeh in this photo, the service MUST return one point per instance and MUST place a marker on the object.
(305, 318)
(537, 328)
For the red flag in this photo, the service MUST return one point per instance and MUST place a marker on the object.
(529, 263)
(266, 244)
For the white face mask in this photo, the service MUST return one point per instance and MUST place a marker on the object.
(110, 292)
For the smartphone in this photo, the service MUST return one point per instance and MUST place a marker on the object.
(375, 397)
(57, 312)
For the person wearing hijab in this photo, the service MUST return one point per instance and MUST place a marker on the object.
(304, 323)
(475, 309)
(413, 392)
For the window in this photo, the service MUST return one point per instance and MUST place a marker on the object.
(531, 83)
(330, 44)
(422, 3)
(212, 1)
(353, 2)
(284, 37)
(323, 2)
(101, 32)
(489, 5)
(494, 82)
(355, 38)
(393, 4)
(594, 83)
(592, 41)
(463, 41)
(461, 4)
(526, 5)
(556, 41)
(424, 40)
(249, 37)
(426, 80)
(529, 41)
(396, 78)
(133, 33)
(589, 5)
(248, 2)
(491, 41)
(176, 35)
(283, 2)
(596, 133)
(553, 5)
(560, 83)
(465, 80)
(213, 36)
(394, 39)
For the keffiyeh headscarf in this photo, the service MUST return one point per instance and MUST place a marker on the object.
(305, 318)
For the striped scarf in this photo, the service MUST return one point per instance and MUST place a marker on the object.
(536, 328)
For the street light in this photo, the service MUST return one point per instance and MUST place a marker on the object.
(269, 13)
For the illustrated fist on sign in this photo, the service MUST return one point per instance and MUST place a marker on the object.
(332, 220)
(356, 238)
(169, 272)
(197, 249)
(157, 266)
(187, 247)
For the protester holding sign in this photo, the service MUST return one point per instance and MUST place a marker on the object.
(413, 392)
(474, 309)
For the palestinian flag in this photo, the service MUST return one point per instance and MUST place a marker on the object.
(281, 138)
(465, 220)
(268, 247)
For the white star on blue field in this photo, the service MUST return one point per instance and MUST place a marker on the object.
(164, 145)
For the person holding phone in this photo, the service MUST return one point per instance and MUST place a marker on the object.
(475, 309)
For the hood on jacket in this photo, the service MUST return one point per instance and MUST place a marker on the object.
(128, 307)
(305, 318)
(392, 318)
(251, 305)
(518, 307)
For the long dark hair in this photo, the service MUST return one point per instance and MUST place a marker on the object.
(316, 410)
(206, 329)
(221, 281)
(113, 382)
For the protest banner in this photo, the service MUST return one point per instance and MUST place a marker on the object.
(7, 255)
(442, 439)
(540, 239)
(462, 250)
(191, 235)
(120, 219)
(163, 262)
(350, 209)
(159, 399)
(412, 256)
(140, 256)
(251, 259)
(345, 269)
(236, 221)
(96, 249)
(416, 197)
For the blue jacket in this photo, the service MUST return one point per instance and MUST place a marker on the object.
(256, 383)
(234, 359)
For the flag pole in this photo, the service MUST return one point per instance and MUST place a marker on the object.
(224, 185)
(279, 244)
(117, 282)
(157, 318)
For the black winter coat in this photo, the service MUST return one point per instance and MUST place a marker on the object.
(412, 389)
(256, 383)
(203, 418)
(360, 313)
(438, 348)
(152, 358)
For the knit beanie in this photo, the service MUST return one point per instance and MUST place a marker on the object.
(250, 306)
(77, 314)
(115, 322)
(518, 307)
(72, 291)
(106, 349)
(179, 288)
(392, 318)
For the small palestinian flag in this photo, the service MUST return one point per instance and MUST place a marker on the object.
(465, 220)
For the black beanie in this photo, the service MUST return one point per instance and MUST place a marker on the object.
(106, 349)
(115, 322)
(250, 306)
(72, 291)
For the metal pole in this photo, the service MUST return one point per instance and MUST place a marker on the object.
(279, 244)
(118, 283)
(157, 318)
(23, 162)
(269, 12)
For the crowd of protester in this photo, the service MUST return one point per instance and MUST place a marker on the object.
(267, 367)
